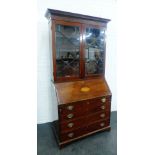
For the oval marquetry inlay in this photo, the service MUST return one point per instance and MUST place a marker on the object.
(85, 89)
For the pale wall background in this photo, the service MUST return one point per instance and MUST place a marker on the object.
(46, 99)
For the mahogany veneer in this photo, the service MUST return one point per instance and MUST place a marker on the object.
(78, 54)
(81, 113)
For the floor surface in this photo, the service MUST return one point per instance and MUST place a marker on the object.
(104, 143)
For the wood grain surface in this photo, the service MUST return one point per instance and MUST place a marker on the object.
(71, 91)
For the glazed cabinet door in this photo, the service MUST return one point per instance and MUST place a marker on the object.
(94, 48)
(67, 50)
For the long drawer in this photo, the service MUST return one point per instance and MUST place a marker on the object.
(84, 130)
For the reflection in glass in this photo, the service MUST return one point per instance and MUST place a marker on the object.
(94, 51)
(67, 50)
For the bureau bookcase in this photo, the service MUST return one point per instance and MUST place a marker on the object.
(78, 48)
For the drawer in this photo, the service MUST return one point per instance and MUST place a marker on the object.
(88, 109)
(97, 116)
(98, 125)
(72, 134)
(72, 125)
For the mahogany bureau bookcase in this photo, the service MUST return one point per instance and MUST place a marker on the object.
(77, 47)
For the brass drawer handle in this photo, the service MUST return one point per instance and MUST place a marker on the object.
(70, 135)
(103, 100)
(102, 124)
(102, 115)
(103, 107)
(70, 115)
(70, 107)
(70, 125)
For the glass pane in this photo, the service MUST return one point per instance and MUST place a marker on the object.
(94, 51)
(67, 50)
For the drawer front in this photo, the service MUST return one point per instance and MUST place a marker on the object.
(72, 125)
(98, 125)
(72, 134)
(97, 117)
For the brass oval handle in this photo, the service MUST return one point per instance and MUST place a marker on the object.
(103, 100)
(103, 107)
(70, 135)
(102, 115)
(70, 115)
(70, 125)
(70, 107)
(102, 124)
